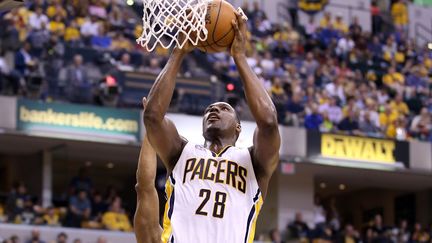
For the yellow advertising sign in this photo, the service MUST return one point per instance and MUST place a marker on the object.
(358, 148)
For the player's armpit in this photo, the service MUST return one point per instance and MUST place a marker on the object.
(166, 140)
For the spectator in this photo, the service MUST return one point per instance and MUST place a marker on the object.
(344, 46)
(339, 24)
(399, 12)
(279, 98)
(24, 60)
(61, 238)
(326, 21)
(57, 25)
(79, 209)
(298, 229)
(350, 123)
(295, 110)
(35, 237)
(89, 29)
(15, 200)
(79, 90)
(403, 232)
(367, 126)
(72, 34)
(350, 235)
(314, 120)
(98, 206)
(98, 9)
(310, 27)
(421, 125)
(77, 241)
(399, 105)
(275, 236)
(393, 79)
(332, 109)
(38, 19)
(267, 63)
(101, 239)
(51, 218)
(56, 8)
(419, 235)
(124, 64)
(309, 65)
(120, 43)
(327, 125)
(115, 218)
(101, 40)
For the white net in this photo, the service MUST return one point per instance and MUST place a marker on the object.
(168, 22)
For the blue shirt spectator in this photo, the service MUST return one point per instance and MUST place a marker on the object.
(313, 120)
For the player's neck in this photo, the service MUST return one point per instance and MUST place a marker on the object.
(217, 144)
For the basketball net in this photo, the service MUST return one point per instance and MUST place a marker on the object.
(169, 22)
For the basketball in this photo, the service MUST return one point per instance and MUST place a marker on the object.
(218, 19)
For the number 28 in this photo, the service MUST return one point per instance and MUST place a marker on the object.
(219, 203)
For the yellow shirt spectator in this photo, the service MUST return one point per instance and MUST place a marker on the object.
(387, 118)
(116, 221)
(57, 27)
(393, 78)
(56, 10)
(399, 12)
(71, 34)
(340, 26)
(400, 107)
(325, 22)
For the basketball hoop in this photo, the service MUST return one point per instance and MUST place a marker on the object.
(164, 21)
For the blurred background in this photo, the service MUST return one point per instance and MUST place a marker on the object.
(350, 79)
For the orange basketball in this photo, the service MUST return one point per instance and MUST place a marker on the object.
(218, 19)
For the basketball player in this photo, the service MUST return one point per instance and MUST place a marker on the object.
(146, 220)
(214, 191)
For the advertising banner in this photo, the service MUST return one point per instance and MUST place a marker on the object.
(82, 120)
(357, 149)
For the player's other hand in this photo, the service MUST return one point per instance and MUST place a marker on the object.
(238, 47)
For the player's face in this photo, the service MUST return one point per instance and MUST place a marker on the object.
(219, 118)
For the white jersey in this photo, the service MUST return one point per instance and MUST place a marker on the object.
(211, 198)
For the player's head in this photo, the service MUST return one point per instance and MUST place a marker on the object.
(221, 120)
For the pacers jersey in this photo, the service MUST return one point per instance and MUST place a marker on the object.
(211, 198)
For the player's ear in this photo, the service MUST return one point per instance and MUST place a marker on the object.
(238, 128)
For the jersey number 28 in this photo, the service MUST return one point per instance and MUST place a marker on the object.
(219, 203)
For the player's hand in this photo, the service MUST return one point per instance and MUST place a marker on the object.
(238, 47)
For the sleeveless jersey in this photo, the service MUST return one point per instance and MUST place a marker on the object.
(211, 198)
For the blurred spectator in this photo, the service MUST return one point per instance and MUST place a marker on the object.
(51, 218)
(326, 21)
(339, 24)
(61, 238)
(38, 19)
(399, 105)
(275, 236)
(56, 9)
(15, 200)
(57, 25)
(399, 12)
(421, 125)
(79, 209)
(333, 111)
(349, 235)
(98, 206)
(101, 40)
(97, 9)
(72, 34)
(279, 98)
(403, 232)
(101, 239)
(153, 67)
(124, 64)
(115, 218)
(24, 60)
(77, 241)
(419, 235)
(368, 126)
(120, 43)
(89, 28)
(79, 90)
(294, 110)
(314, 120)
(35, 237)
(298, 229)
(350, 123)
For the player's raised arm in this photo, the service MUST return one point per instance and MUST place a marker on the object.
(265, 151)
(161, 132)
(146, 219)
